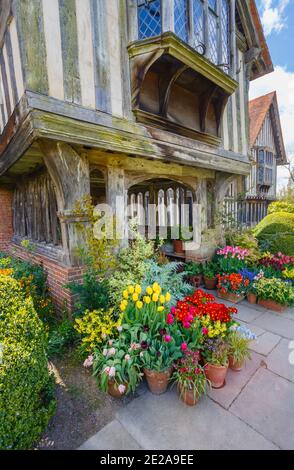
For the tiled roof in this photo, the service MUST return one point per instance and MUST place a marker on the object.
(258, 109)
(265, 54)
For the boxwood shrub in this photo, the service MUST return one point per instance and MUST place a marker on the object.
(26, 388)
(276, 233)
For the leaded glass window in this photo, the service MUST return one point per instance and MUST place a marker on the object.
(181, 19)
(149, 18)
(198, 24)
(225, 34)
(212, 33)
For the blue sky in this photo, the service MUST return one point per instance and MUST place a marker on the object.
(277, 17)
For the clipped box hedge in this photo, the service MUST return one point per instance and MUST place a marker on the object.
(26, 389)
(276, 230)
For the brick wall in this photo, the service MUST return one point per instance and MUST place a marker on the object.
(6, 229)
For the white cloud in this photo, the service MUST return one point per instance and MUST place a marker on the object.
(272, 15)
(282, 81)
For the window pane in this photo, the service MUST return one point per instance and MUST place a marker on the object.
(212, 37)
(198, 23)
(261, 156)
(212, 4)
(181, 19)
(225, 33)
(260, 174)
(149, 18)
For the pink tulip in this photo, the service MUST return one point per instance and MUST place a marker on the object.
(167, 338)
(184, 347)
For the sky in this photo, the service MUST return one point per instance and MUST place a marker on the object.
(277, 18)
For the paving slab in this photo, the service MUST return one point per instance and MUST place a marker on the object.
(113, 436)
(164, 422)
(247, 314)
(266, 404)
(277, 324)
(265, 343)
(235, 382)
(278, 360)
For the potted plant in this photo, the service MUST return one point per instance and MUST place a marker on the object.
(252, 277)
(190, 378)
(209, 272)
(275, 294)
(116, 366)
(179, 242)
(238, 343)
(216, 355)
(194, 273)
(232, 287)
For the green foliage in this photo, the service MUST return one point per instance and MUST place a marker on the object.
(91, 294)
(193, 269)
(169, 277)
(280, 206)
(211, 269)
(238, 347)
(276, 233)
(131, 266)
(60, 337)
(275, 289)
(26, 388)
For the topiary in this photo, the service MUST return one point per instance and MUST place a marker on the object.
(280, 206)
(26, 388)
(276, 233)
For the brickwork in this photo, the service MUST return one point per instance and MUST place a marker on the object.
(6, 229)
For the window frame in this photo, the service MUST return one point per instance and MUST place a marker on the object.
(267, 166)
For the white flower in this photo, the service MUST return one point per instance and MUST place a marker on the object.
(110, 342)
(141, 353)
(107, 370)
(119, 328)
(111, 352)
(127, 357)
(112, 371)
(105, 352)
(89, 361)
(121, 389)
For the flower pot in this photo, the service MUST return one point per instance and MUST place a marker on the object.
(157, 381)
(114, 391)
(252, 298)
(196, 280)
(188, 396)
(234, 298)
(236, 366)
(167, 248)
(178, 247)
(272, 305)
(216, 375)
(210, 283)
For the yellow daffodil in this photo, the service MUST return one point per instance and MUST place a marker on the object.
(138, 289)
(135, 297)
(162, 299)
(149, 290)
(125, 294)
(131, 289)
(155, 297)
(139, 304)
(147, 299)
(167, 297)
(160, 309)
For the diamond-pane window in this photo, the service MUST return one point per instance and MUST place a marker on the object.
(225, 34)
(212, 4)
(198, 23)
(149, 18)
(212, 37)
(181, 19)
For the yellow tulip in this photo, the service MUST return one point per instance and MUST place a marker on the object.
(122, 307)
(156, 288)
(167, 297)
(135, 297)
(149, 290)
(147, 299)
(162, 299)
(155, 297)
(139, 304)
(160, 309)
(125, 294)
(138, 289)
(125, 302)
(131, 289)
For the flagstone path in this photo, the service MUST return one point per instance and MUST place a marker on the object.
(255, 410)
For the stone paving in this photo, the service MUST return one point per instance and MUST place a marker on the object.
(255, 410)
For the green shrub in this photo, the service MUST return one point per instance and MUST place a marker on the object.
(26, 388)
(275, 289)
(276, 233)
(61, 336)
(280, 206)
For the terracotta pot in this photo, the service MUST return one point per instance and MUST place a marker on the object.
(113, 390)
(210, 283)
(216, 375)
(234, 298)
(157, 381)
(272, 305)
(236, 366)
(252, 298)
(178, 247)
(188, 396)
(195, 281)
